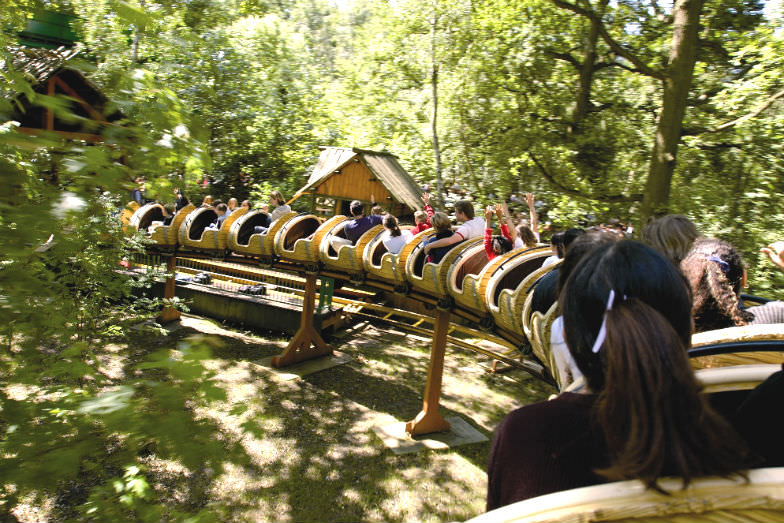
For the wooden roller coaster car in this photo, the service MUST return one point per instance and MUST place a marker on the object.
(168, 235)
(760, 499)
(195, 234)
(348, 258)
(126, 214)
(507, 289)
(541, 325)
(298, 240)
(431, 278)
(745, 345)
(146, 214)
(243, 239)
(386, 266)
(470, 275)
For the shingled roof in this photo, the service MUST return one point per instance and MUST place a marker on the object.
(39, 64)
(382, 164)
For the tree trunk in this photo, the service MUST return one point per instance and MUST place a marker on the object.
(677, 83)
(434, 126)
(587, 68)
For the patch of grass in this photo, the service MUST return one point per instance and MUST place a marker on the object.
(308, 450)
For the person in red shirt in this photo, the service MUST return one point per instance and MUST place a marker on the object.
(422, 218)
(496, 245)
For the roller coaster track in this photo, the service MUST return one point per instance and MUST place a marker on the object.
(494, 296)
(237, 274)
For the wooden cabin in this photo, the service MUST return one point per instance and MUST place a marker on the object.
(343, 175)
(49, 73)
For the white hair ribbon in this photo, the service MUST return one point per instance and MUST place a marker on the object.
(603, 329)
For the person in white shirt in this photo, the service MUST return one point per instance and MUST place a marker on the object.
(395, 238)
(471, 227)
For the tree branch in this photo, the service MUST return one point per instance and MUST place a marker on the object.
(754, 114)
(613, 198)
(615, 46)
(566, 57)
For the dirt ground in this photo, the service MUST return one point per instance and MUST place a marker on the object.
(312, 453)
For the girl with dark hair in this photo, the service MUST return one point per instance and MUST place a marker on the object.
(716, 275)
(627, 324)
(396, 238)
(556, 244)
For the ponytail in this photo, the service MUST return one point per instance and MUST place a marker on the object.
(654, 418)
(390, 222)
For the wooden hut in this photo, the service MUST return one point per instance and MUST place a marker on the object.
(342, 175)
(49, 73)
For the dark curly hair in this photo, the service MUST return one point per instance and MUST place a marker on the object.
(715, 271)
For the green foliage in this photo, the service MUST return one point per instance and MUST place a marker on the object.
(241, 92)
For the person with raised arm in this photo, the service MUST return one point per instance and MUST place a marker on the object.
(422, 218)
(533, 223)
(495, 245)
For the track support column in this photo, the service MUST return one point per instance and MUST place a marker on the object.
(307, 343)
(169, 314)
(429, 420)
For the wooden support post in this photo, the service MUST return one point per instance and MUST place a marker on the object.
(168, 313)
(49, 112)
(307, 343)
(429, 420)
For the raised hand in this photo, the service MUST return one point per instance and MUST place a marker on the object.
(775, 252)
(529, 199)
(489, 214)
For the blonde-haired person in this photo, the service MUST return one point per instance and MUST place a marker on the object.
(672, 235)
(422, 218)
(443, 228)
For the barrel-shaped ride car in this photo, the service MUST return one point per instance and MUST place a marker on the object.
(196, 233)
(742, 345)
(145, 215)
(167, 236)
(470, 275)
(506, 289)
(389, 267)
(126, 214)
(299, 238)
(347, 258)
(244, 240)
(431, 278)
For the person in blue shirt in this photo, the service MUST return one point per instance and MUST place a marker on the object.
(356, 227)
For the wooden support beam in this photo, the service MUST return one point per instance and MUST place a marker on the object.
(49, 113)
(169, 314)
(429, 419)
(87, 137)
(307, 343)
(94, 113)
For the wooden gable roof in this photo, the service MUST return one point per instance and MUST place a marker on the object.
(48, 72)
(383, 165)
